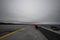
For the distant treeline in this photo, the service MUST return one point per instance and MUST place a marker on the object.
(6, 23)
(1, 23)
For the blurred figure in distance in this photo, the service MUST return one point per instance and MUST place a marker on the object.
(36, 26)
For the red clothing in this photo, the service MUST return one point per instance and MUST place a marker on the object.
(36, 25)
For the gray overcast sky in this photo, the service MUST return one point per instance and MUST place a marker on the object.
(39, 11)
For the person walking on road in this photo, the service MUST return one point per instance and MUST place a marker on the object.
(36, 26)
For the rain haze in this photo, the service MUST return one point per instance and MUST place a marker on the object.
(30, 11)
(29, 19)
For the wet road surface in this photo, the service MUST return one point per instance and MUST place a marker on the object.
(28, 34)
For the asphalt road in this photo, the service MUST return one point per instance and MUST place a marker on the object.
(30, 33)
(9, 28)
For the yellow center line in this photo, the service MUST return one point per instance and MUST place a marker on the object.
(11, 33)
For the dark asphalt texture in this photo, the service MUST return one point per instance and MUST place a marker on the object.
(49, 34)
(31, 33)
(4, 29)
(28, 34)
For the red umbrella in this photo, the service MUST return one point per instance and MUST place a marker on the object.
(36, 25)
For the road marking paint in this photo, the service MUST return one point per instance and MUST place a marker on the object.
(11, 33)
